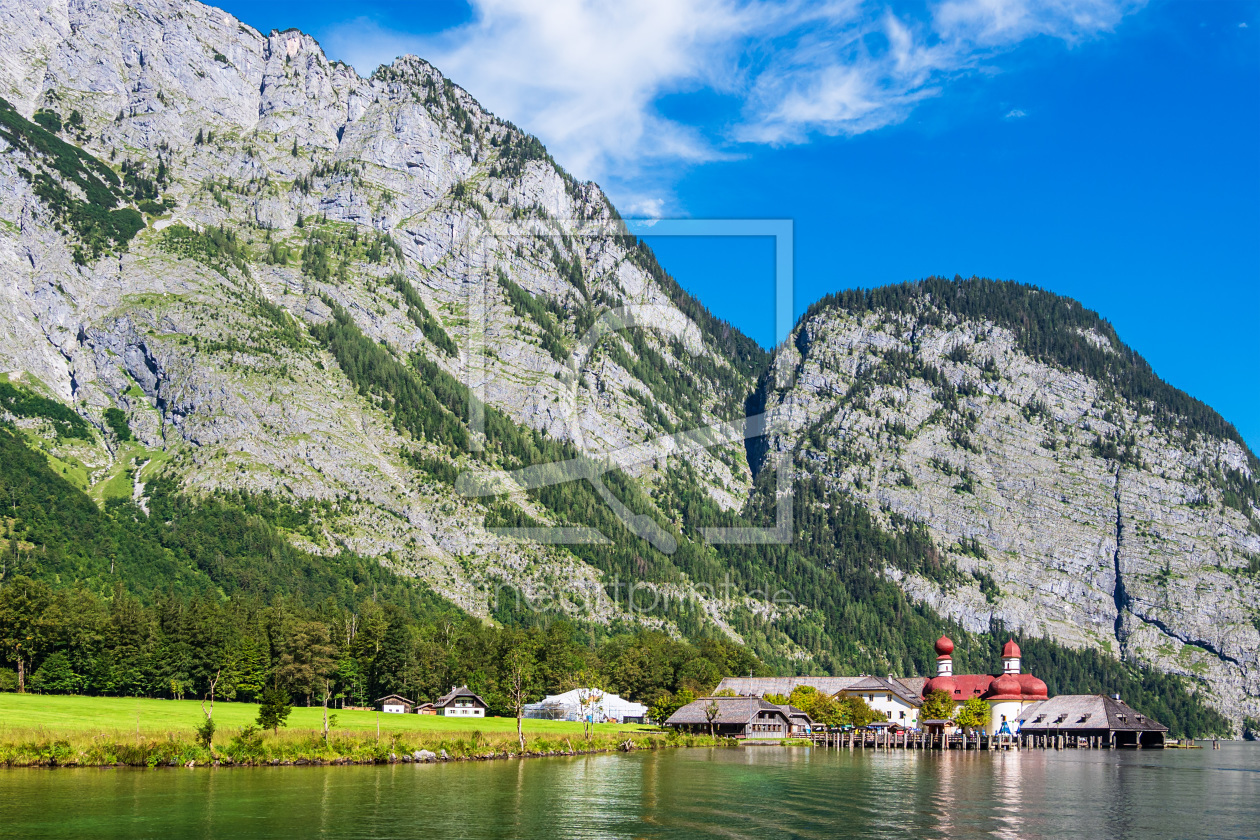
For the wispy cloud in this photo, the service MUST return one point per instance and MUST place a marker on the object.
(588, 76)
(1015, 114)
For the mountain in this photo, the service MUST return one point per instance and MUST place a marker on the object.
(251, 292)
(1071, 492)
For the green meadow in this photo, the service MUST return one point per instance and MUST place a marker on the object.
(59, 714)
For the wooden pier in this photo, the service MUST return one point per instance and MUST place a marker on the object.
(885, 740)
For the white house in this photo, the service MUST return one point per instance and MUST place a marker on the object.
(460, 702)
(890, 697)
(583, 703)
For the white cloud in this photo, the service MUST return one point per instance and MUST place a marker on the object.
(1242, 25)
(588, 76)
(1015, 114)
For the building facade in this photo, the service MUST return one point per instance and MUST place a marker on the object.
(394, 704)
(889, 697)
(460, 702)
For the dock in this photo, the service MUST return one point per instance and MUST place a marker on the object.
(886, 740)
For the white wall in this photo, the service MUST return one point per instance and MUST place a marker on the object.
(892, 707)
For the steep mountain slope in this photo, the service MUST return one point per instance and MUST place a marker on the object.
(237, 270)
(1072, 493)
(282, 188)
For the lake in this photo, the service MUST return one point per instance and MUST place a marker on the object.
(761, 792)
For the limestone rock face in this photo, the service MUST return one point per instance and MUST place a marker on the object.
(1138, 550)
(417, 199)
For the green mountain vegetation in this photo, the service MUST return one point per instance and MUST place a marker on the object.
(63, 171)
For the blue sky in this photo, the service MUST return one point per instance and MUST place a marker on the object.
(1108, 150)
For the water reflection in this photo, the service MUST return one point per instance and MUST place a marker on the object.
(751, 792)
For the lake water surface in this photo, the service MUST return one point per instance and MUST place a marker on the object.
(761, 792)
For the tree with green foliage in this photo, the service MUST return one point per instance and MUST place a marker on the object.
(273, 711)
(974, 714)
(668, 703)
(205, 732)
(937, 705)
(855, 712)
(56, 676)
(116, 420)
(24, 604)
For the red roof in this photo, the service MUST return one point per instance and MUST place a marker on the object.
(1004, 687)
(944, 646)
(1010, 650)
(1032, 687)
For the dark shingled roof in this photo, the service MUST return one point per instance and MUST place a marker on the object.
(894, 686)
(760, 686)
(1068, 712)
(731, 710)
(462, 691)
(793, 712)
(908, 689)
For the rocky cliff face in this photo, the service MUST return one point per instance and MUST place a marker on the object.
(281, 191)
(1062, 505)
(286, 184)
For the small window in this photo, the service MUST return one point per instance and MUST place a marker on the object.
(903, 715)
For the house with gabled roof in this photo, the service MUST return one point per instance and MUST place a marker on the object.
(460, 702)
(891, 697)
(394, 704)
(735, 717)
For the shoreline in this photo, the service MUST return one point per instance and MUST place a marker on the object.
(297, 748)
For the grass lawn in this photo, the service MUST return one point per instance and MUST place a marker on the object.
(56, 714)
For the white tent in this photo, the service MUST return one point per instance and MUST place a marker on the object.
(581, 703)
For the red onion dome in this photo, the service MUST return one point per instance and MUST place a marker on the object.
(945, 684)
(1030, 686)
(1006, 685)
(944, 646)
(1010, 650)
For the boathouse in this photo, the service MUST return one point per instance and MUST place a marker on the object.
(1102, 720)
(736, 717)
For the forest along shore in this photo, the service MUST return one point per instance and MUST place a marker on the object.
(72, 731)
